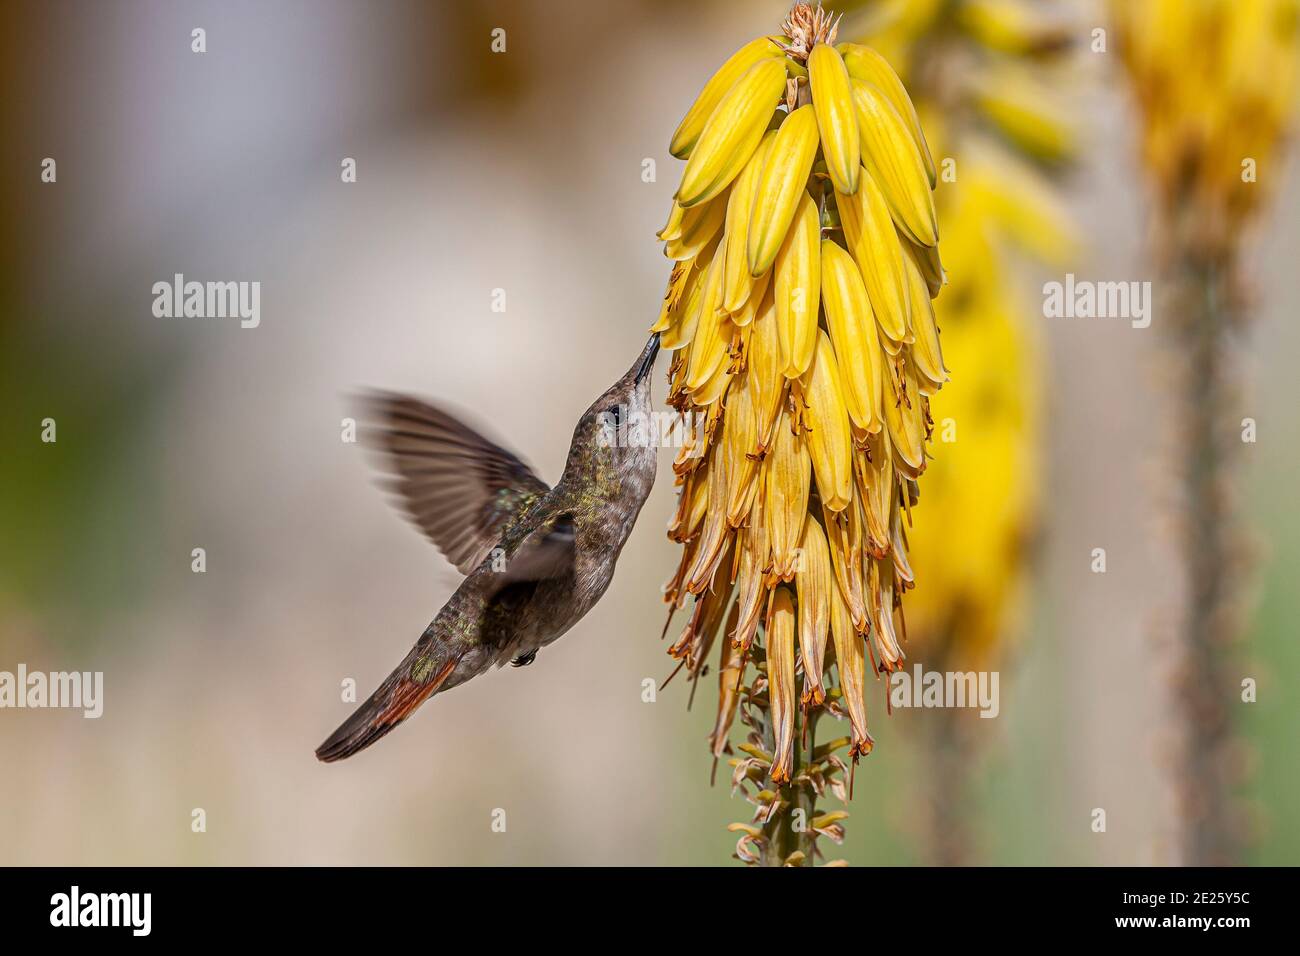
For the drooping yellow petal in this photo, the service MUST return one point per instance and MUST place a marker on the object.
(781, 683)
(739, 438)
(787, 471)
(814, 582)
(905, 412)
(728, 687)
(844, 538)
(927, 259)
(710, 394)
(881, 584)
(851, 662)
(691, 502)
(758, 299)
(673, 227)
(926, 351)
(699, 224)
(765, 363)
(874, 476)
(702, 628)
(678, 281)
(751, 579)
(713, 535)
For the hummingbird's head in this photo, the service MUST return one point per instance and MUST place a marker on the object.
(619, 430)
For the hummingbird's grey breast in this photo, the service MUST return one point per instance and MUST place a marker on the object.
(536, 559)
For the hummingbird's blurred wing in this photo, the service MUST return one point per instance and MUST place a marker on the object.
(442, 653)
(459, 488)
(547, 552)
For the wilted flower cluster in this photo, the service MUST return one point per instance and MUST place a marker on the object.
(1215, 80)
(800, 312)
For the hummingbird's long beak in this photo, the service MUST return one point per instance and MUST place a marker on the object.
(647, 361)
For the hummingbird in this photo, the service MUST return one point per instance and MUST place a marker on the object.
(536, 558)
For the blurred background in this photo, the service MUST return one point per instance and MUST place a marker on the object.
(521, 171)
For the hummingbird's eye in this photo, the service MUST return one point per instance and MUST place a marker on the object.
(612, 414)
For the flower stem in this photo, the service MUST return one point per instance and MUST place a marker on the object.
(1211, 547)
(947, 840)
(783, 836)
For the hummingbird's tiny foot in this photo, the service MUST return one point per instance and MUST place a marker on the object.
(523, 660)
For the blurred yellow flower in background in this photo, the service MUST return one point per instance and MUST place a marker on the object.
(1215, 84)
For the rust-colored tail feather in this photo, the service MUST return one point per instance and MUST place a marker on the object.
(394, 701)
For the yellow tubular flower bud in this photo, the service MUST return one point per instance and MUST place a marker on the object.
(709, 347)
(836, 116)
(713, 534)
(697, 637)
(905, 416)
(864, 63)
(798, 288)
(691, 501)
(673, 228)
(765, 364)
(927, 260)
(758, 299)
(678, 281)
(830, 444)
(879, 255)
(853, 333)
(739, 283)
(926, 351)
(780, 185)
(709, 394)
(874, 476)
(719, 85)
(732, 133)
(891, 156)
(684, 318)
(881, 585)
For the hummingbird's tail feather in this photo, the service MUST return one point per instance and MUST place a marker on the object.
(394, 701)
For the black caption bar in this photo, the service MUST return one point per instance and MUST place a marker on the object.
(371, 904)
